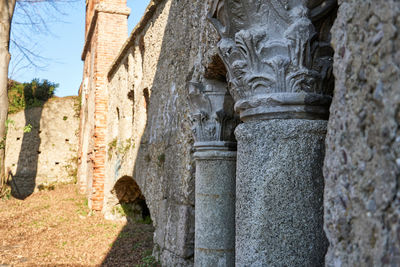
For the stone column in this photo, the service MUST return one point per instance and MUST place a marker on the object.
(215, 174)
(279, 60)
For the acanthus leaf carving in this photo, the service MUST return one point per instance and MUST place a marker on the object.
(212, 113)
(272, 48)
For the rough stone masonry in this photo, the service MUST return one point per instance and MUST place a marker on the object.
(283, 63)
(362, 196)
(46, 154)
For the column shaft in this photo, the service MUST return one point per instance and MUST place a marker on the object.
(215, 208)
(279, 193)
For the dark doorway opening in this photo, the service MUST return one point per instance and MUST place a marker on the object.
(131, 200)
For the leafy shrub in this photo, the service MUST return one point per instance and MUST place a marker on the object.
(28, 95)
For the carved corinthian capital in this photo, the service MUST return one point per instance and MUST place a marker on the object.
(211, 113)
(278, 56)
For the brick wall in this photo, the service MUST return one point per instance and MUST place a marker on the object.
(106, 31)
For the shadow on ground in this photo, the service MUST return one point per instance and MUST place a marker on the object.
(134, 244)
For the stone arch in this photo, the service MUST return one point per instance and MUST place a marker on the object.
(215, 68)
(131, 198)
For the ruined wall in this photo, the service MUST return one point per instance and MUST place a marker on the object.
(149, 133)
(47, 154)
(106, 30)
(362, 197)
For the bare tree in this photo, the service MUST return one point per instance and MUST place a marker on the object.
(30, 24)
(6, 13)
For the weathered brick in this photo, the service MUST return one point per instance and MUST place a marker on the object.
(106, 31)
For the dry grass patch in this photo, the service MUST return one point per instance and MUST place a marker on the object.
(56, 227)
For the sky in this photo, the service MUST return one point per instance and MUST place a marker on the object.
(60, 48)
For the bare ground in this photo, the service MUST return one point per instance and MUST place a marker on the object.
(53, 228)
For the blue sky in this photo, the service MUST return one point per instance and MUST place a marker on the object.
(61, 47)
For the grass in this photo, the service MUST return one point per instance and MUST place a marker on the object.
(120, 210)
(5, 193)
(82, 207)
(136, 246)
(126, 210)
(148, 260)
(146, 220)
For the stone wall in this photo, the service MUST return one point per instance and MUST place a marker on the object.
(46, 154)
(149, 133)
(362, 197)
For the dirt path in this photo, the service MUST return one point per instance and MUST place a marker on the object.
(56, 228)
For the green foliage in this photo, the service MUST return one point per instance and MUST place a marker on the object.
(148, 260)
(113, 144)
(28, 128)
(145, 220)
(82, 207)
(5, 188)
(125, 209)
(8, 123)
(5, 193)
(121, 147)
(28, 95)
(125, 146)
(120, 210)
(136, 246)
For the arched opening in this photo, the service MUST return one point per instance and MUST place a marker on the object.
(132, 202)
(215, 69)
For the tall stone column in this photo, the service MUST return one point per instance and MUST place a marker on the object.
(279, 60)
(215, 174)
